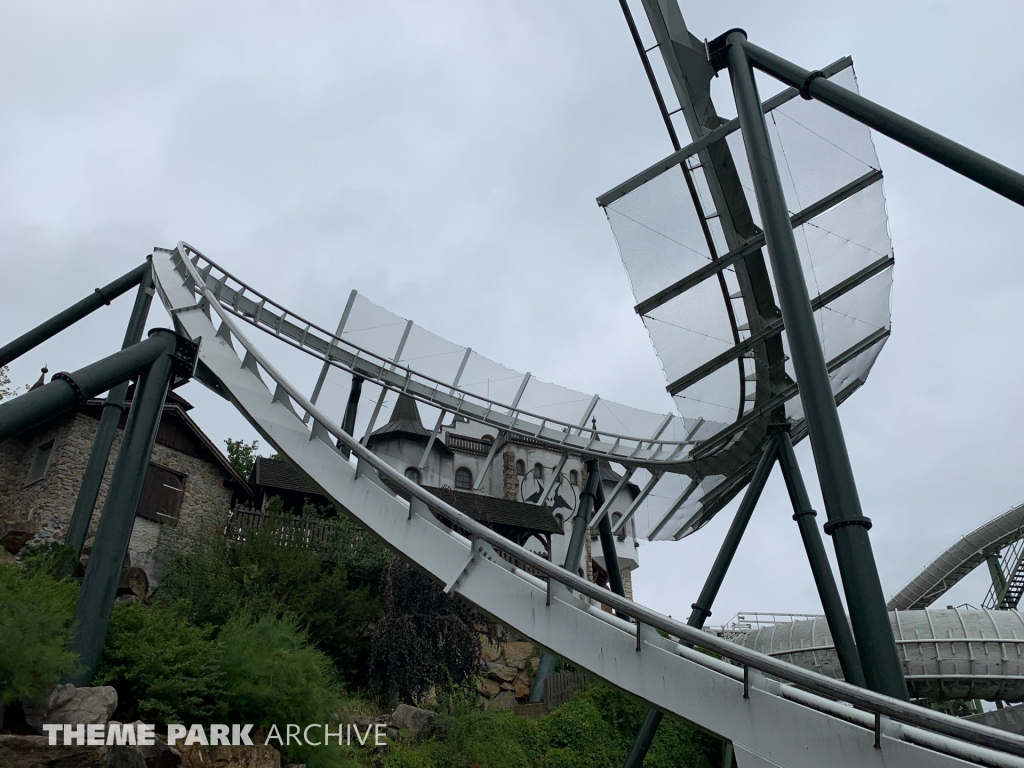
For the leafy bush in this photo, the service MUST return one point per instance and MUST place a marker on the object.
(164, 668)
(425, 638)
(261, 574)
(52, 559)
(273, 675)
(35, 624)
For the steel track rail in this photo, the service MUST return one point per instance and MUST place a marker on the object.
(947, 736)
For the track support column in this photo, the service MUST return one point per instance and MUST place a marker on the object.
(577, 540)
(113, 406)
(99, 587)
(351, 408)
(828, 592)
(847, 524)
(702, 608)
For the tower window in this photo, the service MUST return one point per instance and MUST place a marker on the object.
(520, 467)
(463, 479)
(574, 477)
(413, 474)
(538, 471)
(561, 522)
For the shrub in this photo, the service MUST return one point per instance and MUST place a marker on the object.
(53, 559)
(35, 624)
(424, 639)
(259, 573)
(274, 676)
(164, 668)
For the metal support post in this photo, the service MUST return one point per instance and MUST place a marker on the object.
(604, 530)
(846, 522)
(113, 407)
(702, 608)
(975, 166)
(577, 540)
(102, 575)
(349, 422)
(68, 390)
(825, 581)
(72, 314)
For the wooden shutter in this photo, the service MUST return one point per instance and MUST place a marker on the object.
(161, 495)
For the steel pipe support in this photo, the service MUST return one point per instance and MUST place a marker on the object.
(882, 669)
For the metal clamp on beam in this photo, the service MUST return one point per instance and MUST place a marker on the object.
(805, 89)
(832, 525)
(66, 378)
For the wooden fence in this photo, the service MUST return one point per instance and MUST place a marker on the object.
(559, 686)
(288, 530)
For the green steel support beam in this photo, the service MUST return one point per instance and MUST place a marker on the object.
(68, 390)
(351, 408)
(102, 575)
(824, 580)
(113, 406)
(846, 522)
(71, 315)
(702, 608)
(577, 540)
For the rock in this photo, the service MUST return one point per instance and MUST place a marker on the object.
(517, 651)
(160, 755)
(489, 650)
(521, 686)
(15, 534)
(256, 756)
(129, 599)
(534, 663)
(413, 719)
(501, 672)
(507, 686)
(35, 752)
(134, 581)
(503, 701)
(6, 558)
(488, 688)
(391, 732)
(68, 704)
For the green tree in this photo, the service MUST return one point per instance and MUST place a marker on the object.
(6, 390)
(242, 455)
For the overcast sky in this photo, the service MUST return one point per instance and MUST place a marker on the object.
(443, 159)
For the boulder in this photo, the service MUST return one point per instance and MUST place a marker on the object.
(15, 534)
(517, 652)
(134, 581)
(68, 704)
(489, 650)
(35, 752)
(160, 755)
(256, 756)
(521, 686)
(415, 720)
(488, 688)
(501, 672)
(503, 701)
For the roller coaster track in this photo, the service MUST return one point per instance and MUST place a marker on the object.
(774, 713)
(959, 559)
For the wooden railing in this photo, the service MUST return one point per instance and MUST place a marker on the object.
(467, 444)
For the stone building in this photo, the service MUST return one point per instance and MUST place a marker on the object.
(518, 471)
(189, 489)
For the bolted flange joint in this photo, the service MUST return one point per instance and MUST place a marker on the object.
(832, 525)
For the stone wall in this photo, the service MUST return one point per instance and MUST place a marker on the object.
(50, 501)
(509, 663)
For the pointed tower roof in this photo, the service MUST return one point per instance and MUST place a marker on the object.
(405, 421)
(42, 378)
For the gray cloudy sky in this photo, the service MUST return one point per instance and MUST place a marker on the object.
(443, 158)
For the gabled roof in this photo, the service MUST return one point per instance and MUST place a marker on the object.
(491, 510)
(280, 475)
